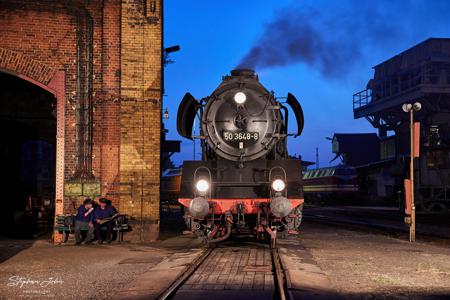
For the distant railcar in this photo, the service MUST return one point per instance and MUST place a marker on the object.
(331, 183)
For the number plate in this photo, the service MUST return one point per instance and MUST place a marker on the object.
(240, 136)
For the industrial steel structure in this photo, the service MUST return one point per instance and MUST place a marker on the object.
(421, 73)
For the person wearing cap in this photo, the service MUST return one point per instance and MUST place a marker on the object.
(103, 217)
(83, 221)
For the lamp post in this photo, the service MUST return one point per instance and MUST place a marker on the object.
(193, 139)
(411, 108)
(166, 114)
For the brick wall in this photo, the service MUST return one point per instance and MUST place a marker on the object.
(140, 113)
(39, 38)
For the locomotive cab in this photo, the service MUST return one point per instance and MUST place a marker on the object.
(246, 183)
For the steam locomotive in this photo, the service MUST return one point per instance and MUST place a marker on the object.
(246, 184)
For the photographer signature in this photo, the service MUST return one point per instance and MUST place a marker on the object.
(19, 281)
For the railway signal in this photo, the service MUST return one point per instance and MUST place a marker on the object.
(414, 152)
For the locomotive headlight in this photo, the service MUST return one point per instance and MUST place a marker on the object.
(278, 185)
(202, 185)
(240, 97)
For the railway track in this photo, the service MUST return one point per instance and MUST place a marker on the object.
(278, 274)
(386, 227)
(240, 271)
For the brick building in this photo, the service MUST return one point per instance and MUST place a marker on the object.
(96, 68)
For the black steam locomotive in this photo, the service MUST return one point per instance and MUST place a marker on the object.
(246, 183)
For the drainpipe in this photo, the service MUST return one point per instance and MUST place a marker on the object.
(84, 107)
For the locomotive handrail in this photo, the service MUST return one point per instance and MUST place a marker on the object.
(227, 184)
(279, 135)
(266, 106)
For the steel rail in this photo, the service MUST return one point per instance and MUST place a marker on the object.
(278, 273)
(168, 293)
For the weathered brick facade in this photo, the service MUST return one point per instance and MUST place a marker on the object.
(102, 60)
(140, 113)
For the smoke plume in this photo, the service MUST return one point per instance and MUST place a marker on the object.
(339, 35)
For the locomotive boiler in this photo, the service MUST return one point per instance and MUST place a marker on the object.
(246, 183)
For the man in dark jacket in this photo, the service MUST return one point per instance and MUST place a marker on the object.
(103, 217)
(83, 221)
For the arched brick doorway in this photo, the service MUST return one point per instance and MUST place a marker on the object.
(43, 76)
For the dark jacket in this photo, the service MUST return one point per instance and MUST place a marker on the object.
(81, 217)
(100, 213)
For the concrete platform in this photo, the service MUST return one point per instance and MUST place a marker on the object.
(305, 279)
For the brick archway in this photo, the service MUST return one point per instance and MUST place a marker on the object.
(17, 63)
(53, 81)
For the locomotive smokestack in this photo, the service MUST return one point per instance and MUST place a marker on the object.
(242, 72)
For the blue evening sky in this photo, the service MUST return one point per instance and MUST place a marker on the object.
(215, 35)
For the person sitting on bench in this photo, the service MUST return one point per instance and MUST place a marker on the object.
(83, 221)
(103, 217)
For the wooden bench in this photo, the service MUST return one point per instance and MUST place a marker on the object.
(65, 225)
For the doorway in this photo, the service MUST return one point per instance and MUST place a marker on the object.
(27, 157)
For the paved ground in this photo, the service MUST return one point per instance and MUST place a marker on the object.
(428, 224)
(40, 270)
(373, 266)
(304, 278)
(324, 262)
